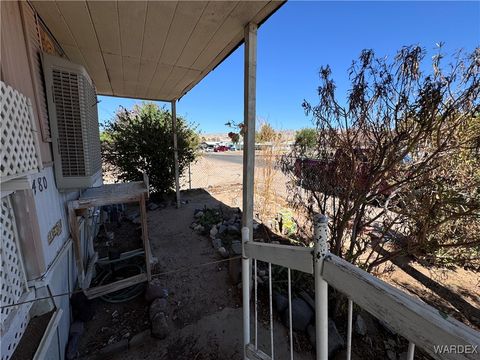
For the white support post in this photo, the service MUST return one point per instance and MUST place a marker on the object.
(349, 329)
(175, 151)
(411, 351)
(245, 294)
(321, 287)
(249, 115)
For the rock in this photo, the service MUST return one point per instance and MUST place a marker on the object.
(308, 299)
(160, 326)
(199, 228)
(115, 347)
(154, 291)
(391, 355)
(223, 252)
(158, 305)
(152, 206)
(213, 232)
(193, 225)
(335, 340)
(237, 247)
(233, 229)
(216, 243)
(302, 313)
(280, 301)
(360, 326)
(198, 214)
(221, 229)
(139, 339)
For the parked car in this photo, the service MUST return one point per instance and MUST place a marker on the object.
(221, 148)
(325, 174)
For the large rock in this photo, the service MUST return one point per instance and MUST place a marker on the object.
(158, 306)
(198, 214)
(280, 301)
(302, 313)
(154, 291)
(223, 252)
(335, 340)
(233, 229)
(308, 299)
(237, 248)
(221, 229)
(159, 326)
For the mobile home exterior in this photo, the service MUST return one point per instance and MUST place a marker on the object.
(36, 250)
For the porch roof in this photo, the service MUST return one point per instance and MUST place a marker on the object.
(150, 50)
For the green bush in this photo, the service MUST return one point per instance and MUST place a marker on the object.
(141, 140)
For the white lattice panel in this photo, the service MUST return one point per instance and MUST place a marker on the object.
(12, 336)
(18, 138)
(12, 275)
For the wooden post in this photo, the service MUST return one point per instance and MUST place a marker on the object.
(175, 151)
(146, 241)
(249, 115)
(320, 223)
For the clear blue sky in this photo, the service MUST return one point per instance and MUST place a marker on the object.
(301, 37)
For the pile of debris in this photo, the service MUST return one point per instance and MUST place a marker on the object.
(223, 229)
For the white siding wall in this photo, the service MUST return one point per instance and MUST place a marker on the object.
(51, 207)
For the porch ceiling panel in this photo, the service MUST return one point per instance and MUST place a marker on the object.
(154, 50)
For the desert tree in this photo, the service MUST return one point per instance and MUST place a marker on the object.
(395, 164)
(141, 140)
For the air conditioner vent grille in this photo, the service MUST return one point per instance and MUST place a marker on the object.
(70, 135)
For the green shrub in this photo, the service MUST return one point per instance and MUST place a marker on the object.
(141, 140)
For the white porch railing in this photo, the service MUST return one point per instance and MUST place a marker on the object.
(422, 325)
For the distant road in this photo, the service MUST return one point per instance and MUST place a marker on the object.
(234, 157)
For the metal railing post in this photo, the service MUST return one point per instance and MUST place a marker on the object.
(175, 151)
(189, 177)
(321, 286)
(245, 290)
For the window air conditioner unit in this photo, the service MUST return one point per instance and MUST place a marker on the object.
(72, 109)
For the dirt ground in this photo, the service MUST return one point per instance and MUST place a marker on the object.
(454, 291)
(205, 313)
(204, 308)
